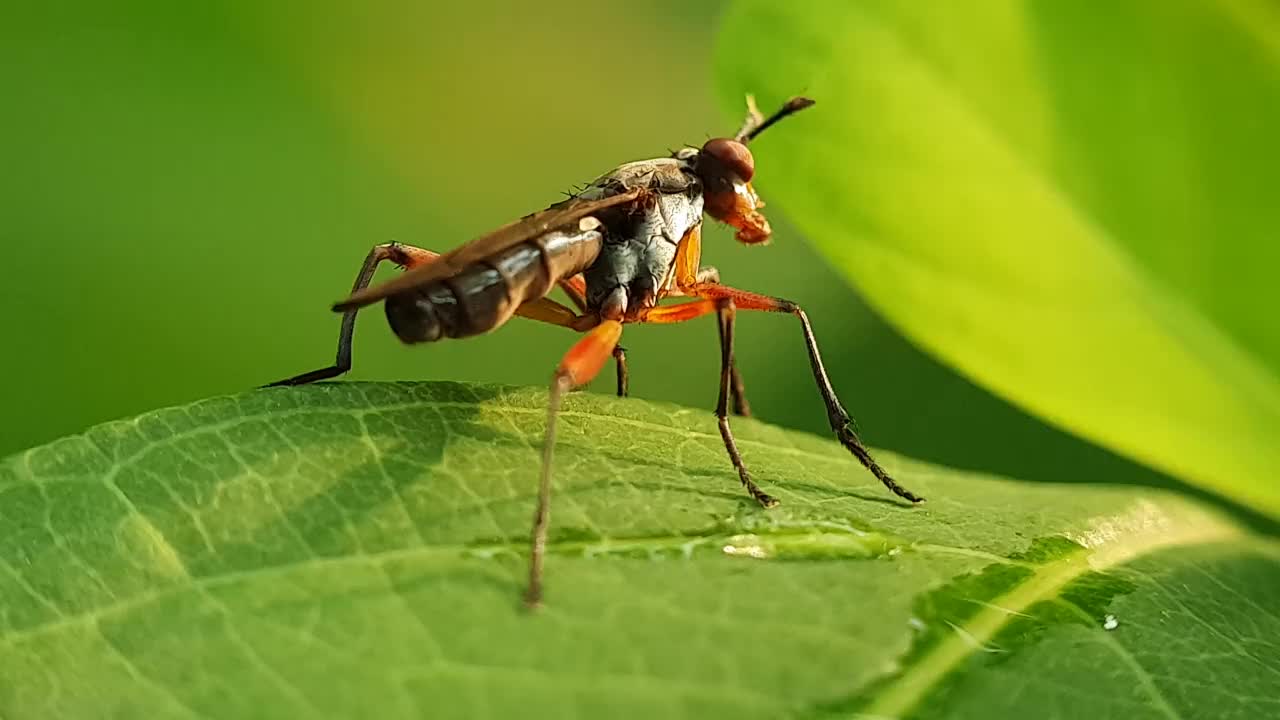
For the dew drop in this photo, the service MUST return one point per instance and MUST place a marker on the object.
(809, 542)
(1110, 623)
(746, 548)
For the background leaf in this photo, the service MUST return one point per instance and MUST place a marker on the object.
(1073, 204)
(355, 550)
(226, 166)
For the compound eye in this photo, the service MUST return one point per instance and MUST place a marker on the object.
(733, 155)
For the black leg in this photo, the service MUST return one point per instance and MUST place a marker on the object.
(620, 362)
(403, 255)
(576, 289)
(726, 319)
(561, 383)
(841, 423)
(738, 393)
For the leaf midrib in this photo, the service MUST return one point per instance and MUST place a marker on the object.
(914, 684)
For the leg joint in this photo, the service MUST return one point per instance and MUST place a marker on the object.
(395, 252)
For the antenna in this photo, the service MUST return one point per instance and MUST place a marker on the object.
(757, 122)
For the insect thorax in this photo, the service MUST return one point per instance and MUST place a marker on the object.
(639, 250)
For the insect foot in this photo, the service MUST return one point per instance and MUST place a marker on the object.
(853, 443)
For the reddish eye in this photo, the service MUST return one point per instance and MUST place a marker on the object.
(733, 155)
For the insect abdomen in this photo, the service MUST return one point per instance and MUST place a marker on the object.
(486, 294)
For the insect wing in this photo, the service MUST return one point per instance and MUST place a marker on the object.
(487, 245)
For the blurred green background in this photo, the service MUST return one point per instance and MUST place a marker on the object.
(187, 187)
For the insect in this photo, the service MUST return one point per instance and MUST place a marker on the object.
(617, 248)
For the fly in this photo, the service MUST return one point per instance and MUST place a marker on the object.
(629, 240)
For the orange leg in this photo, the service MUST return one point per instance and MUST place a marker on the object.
(551, 312)
(837, 416)
(742, 299)
(681, 312)
(406, 257)
(576, 288)
(579, 366)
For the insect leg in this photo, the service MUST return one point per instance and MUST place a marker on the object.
(737, 392)
(666, 314)
(725, 317)
(409, 257)
(620, 362)
(405, 256)
(841, 423)
(549, 311)
(724, 309)
(576, 288)
(578, 367)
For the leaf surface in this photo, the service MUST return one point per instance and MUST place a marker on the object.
(358, 550)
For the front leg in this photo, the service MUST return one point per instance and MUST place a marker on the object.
(841, 423)
(725, 317)
(725, 314)
(737, 392)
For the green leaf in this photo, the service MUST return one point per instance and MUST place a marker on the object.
(1072, 203)
(357, 550)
